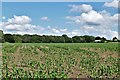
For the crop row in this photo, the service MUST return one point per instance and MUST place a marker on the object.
(60, 60)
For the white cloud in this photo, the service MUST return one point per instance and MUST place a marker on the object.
(0, 25)
(63, 30)
(80, 8)
(114, 4)
(98, 31)
(17, 27)
(20, 24)
(19, 32)
(19, 20)
(88, 28)
(71, 17)
(45, 18)
(75, 32)
(91, 16)
(53, 30)
(96, 23)
(3, 17)
(56, 30)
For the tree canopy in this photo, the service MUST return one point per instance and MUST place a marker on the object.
(17, 38)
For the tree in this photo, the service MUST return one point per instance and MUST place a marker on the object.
(49, 39)
(1, 33)
(78, 39)
(114, 39)
(64, 35)
(89, 39)
(67, 39)
(97, 38)
(103, 40)
(1, 36)
(17, 38)
(61, 39)
(26, 38)
(9, 38)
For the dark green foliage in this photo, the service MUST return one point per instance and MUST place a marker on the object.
(78, 39)
(89, 39)
(26, 38)
(1, 33)
(98, 38)
(115, 39)
(46, 39)
(103, 39)
(9, 38)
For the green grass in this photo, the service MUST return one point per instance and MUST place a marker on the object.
(60, 60)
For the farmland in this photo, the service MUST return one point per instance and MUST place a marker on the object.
(60, 60)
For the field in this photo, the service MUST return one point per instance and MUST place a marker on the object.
(60, 60)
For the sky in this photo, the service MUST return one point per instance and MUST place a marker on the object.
(57, 18)
(55, 0)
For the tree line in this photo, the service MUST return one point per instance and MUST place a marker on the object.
(16, 38)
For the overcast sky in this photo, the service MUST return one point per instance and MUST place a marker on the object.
(57, 18)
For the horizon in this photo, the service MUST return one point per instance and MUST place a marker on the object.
(58, 35)
(54, 18)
